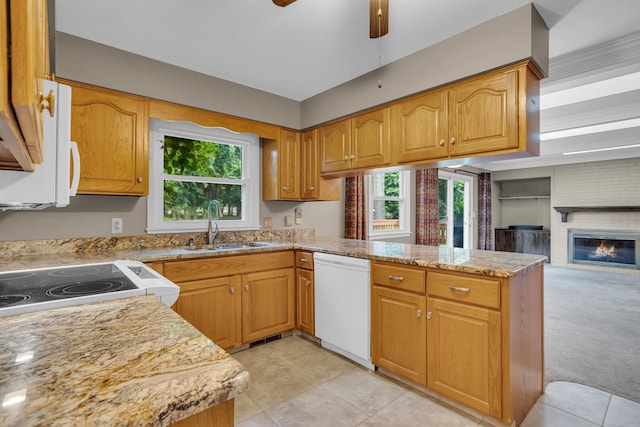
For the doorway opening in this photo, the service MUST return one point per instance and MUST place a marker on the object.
(455, 193)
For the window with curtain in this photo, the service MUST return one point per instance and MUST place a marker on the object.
(388, 204)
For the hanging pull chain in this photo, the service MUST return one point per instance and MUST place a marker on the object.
(379, 44)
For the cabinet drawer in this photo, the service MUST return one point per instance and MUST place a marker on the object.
(304, 259)
(393, 276)
(472, 290)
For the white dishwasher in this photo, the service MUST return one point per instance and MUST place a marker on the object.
(342, 305)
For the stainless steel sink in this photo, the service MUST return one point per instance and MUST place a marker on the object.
(226, 247)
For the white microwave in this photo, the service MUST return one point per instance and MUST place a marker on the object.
(49, 184)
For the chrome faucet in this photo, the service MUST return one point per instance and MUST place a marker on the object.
(212, 232)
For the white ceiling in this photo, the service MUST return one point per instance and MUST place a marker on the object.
(313, 45)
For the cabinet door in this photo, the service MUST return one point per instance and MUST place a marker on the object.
(289, 165)
(213, 307)
(463, 354)
(399, 333)
(305, 318)
(335, 146)
(267, 303)
(420, 128)
(29, 67)
(370, 139)
(112, 131)
(483, 114)
(310, 165)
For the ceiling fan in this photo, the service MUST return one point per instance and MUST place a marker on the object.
(378, 16)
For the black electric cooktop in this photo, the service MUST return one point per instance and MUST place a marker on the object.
(40, 285)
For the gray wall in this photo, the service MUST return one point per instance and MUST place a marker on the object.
(517, 35)
(512, 37)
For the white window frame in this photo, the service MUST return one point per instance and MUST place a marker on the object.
(404, 209)
(468, 213)
(250, 180)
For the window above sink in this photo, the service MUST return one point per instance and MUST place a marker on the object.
(191, 165)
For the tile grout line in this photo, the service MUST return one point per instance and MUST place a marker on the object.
(606, 411)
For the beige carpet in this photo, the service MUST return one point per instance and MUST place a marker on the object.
(592, 329)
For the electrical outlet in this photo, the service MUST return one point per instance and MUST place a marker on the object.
(116, 225)
(288, 220)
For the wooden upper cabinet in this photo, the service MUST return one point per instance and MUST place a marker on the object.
(420, 127)
(313, 186)
(289, 165)
(483, 114)
(335, 146)
(359, 142)
(310, 165)
(370, 139)
(24, 28)
(112, 132)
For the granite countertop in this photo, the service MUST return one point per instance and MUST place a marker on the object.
(490, 263)
(131, 361)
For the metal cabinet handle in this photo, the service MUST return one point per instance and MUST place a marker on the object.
(353, 156)
(398, 278)
(308, 282)
(232, 290)
(246, 288)
(284, 188)
(428, 315)
(48, 103)
(458, 289)
(452, 140)
(419, 313)
(312, 188)
(140, 180)
(441, 143)
(346, 157)
(303, 260)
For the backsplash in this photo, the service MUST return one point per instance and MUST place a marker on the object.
(147, 241)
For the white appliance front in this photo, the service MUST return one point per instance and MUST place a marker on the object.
(342, 305)
(48, 185)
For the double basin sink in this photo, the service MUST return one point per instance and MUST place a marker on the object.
(226, 247)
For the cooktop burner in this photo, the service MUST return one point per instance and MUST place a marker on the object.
(28, 287)
(7, 300)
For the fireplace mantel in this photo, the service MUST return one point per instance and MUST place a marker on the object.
(565, 211)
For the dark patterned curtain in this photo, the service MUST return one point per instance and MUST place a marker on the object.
(427, 207)
(485, 232)
(355, 224)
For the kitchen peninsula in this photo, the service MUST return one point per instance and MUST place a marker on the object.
(497, 295)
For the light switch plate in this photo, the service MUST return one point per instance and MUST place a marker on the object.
(288, 220)
(267, 222)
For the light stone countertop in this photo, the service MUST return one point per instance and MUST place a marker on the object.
(130, 362)
(489, 263)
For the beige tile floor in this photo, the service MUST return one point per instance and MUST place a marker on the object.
(295, 382)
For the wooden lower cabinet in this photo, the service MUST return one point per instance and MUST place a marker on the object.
(478, 341)
(399, 341)
(235, 300)
(267, 303)
(214, 307)
(305, 309)
(464, 354)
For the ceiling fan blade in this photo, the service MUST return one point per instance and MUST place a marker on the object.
(374, 7)
(283, 3)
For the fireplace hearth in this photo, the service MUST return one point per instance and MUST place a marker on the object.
(611, 248)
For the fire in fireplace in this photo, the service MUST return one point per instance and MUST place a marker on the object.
(608, 248)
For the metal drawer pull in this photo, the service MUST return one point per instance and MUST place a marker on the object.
(458, 289)
(398, 278)
(232, 290)
(303, 260)
(246, 288)
(419, 313)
